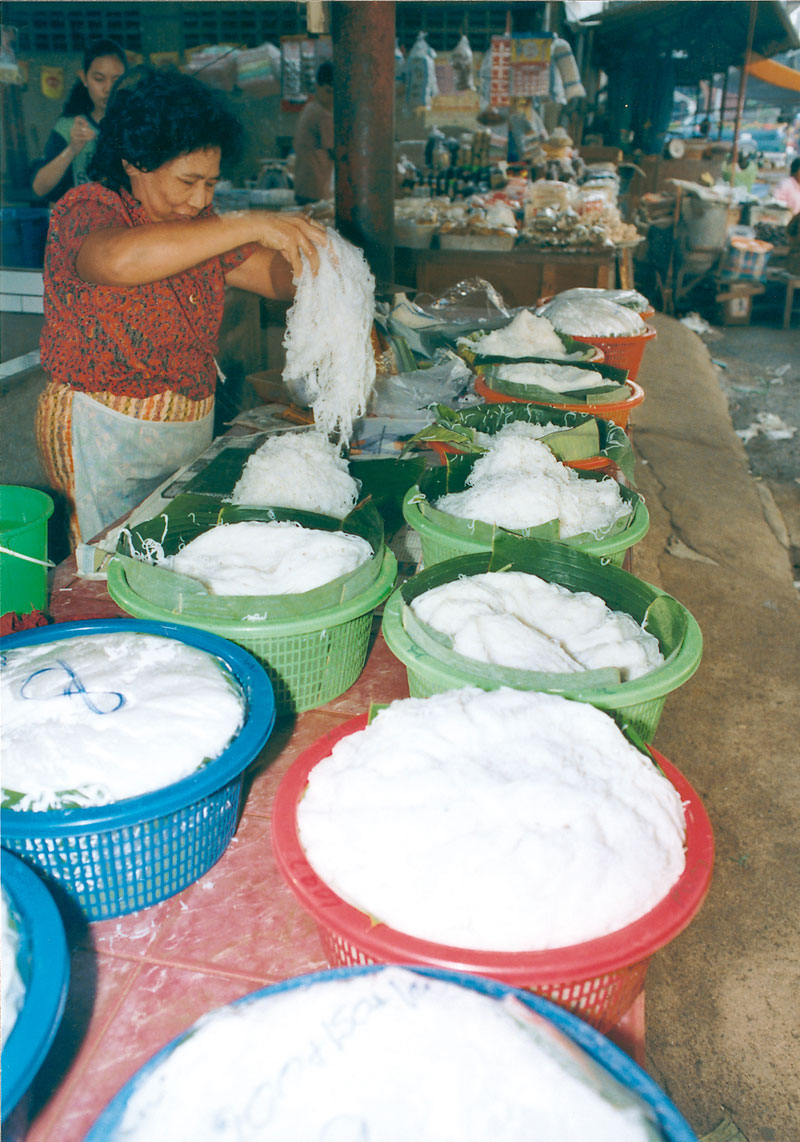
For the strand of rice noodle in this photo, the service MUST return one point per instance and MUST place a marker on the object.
(328, 342)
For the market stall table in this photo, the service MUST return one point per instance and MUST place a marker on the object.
(521, 276)
(139, 980)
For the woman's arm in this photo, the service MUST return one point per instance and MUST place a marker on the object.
(51, 173)
(265, 272)
(127, 256)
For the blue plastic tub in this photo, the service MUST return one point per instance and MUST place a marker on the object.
(118, 858)
(43, 963)
(671, 1122)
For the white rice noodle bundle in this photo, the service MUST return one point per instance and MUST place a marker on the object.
(298, 470)
(526, 336)
(519, 483)
(330, 362)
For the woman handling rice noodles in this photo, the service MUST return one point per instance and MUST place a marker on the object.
(135, 270)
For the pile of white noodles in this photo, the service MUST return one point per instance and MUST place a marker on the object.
(515, 619)
(330, 363)
(298, 470)
(526, 336)
(254, 558)
(519, 483)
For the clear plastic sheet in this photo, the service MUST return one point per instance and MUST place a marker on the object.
(429, 323)
(592, 317)
(404, 394)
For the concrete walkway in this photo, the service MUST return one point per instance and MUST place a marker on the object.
(723, 1000)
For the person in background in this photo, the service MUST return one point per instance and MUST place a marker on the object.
(135, 270)
(313, 142)
(788, 191)
(745, 173)
(70, 146)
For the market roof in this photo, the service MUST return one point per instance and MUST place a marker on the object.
(708, 35)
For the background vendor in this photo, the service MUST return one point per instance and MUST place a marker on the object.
(135, 269)
(70, 146)
(313, 142)
(788, 190)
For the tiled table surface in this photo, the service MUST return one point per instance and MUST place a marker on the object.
(140, 980)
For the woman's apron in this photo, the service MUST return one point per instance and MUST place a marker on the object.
(119, 460)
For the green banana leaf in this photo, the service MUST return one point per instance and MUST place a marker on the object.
(600, 394)
(385, 482)
(458, 427)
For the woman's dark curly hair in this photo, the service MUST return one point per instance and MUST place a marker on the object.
(155, 115)
(79, 101)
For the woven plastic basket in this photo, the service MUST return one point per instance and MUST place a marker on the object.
(309, 660)
(623, 352)
(636, 704)
(605, 1054)
(117, 858)
(443, 540)
(619, 412)
(597, 980)
(43, 963)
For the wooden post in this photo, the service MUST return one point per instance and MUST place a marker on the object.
(742, 86)
(723, 103)
(363, 119)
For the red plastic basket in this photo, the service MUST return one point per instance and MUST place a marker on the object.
(622, 352)
(645, 314)
(597, 980)
(618, 412)
(590, 464)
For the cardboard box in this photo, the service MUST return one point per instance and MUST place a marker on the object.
(735, 302)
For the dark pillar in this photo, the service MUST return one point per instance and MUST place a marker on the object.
(363, 115)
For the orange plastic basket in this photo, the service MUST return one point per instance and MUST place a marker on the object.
(618, 412)
(597, 980)
(622, 352)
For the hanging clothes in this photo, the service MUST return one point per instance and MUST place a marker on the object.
(565, 78)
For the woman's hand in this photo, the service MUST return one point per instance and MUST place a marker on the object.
(293, 236)
(80, 135)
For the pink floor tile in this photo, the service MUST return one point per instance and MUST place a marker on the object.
(128, 936)
(241, 918)
(97, 988)
(162, 1002)
(286, 743)
(383, 679)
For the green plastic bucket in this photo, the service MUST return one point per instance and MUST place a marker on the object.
(24, 513)
(636, 705)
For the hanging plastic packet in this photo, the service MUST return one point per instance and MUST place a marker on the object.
(462, 66)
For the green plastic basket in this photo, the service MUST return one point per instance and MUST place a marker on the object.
(636, 705)
(313, 646)
(446, 537)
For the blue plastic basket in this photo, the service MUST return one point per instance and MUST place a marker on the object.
(43, 963)
(118, 858)
(671, 1122)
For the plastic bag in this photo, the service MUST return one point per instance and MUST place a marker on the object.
(462, 66)
(428, 324)
(404, 394)
(592, 317)
(421, 85)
